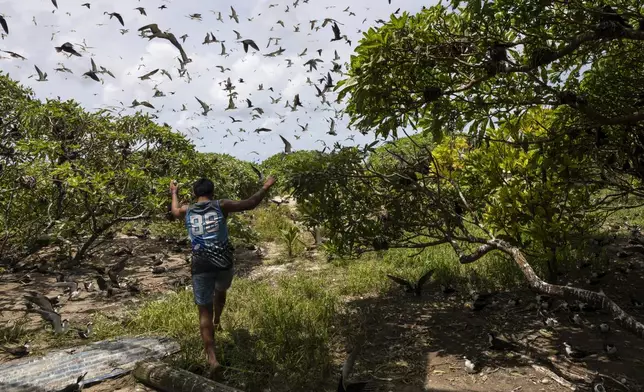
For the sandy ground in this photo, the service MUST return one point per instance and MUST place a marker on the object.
(413, 343)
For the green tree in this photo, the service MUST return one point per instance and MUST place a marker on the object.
(476, 77)
(71, 176)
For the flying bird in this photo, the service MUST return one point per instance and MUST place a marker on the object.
(234, 120)
(14, 54)
(88, 5)
(41, 301)
(67, 48)
(92, 74)
(141, 10)
(258, 130)
(60, 326)
(296, 102)
(233, 14)
(411, 287)
(147, 75)
(136, 103)
(231, 103)
(115, 15)
(157, 33)
(166, 73)
(55, 3)
(62, 68)
(42, 76)
(313, 64)
(332, 127)
(336, 33)
(205, 106)
(287, 145)
(3, 23)
(256, 170)
(251, 43)
(275, 53)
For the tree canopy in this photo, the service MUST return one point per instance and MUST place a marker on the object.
(68, 175)
(522, 127)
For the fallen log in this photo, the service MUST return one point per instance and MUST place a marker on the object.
(596, 299)
(165, 378)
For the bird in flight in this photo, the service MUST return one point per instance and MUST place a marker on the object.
(117, 16)
(287, 145)
(141, 10)
(67, 48)
(147, 75)
(204, 105)
(233, 14)
(251, 43)
(3, 23)
(42, 76)
(155, 32)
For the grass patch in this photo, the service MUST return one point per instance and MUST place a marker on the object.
(369, 274)
(274, 335)
(634, 216)
(14, 332)
(269, 221)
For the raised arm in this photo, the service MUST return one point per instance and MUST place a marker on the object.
(250, 203)
(177, 210)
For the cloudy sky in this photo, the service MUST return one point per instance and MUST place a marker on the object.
(36, 27)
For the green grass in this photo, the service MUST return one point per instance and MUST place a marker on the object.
(634, 216)
(14, 332)
(369, 274)
(274, 335)
(270, 220)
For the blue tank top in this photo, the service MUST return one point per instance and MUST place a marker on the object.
(208, 232)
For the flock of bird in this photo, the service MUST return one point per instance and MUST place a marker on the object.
(216, 25)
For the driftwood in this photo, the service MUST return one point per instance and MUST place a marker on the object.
(593, 298)
(165, 378)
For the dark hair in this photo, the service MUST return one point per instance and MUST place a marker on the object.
(203, 187)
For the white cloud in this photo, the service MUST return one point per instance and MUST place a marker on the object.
(129, 56)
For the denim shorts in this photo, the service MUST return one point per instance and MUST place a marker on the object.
(204, 285)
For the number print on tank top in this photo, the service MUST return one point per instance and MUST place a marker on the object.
(202, 224)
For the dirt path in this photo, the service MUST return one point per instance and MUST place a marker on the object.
(413, 344)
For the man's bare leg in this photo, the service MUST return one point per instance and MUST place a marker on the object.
(219, 302)
(208, 334)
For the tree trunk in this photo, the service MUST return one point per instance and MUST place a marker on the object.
(95, 235)
(168, 379)
(593, 298)
(553, 274)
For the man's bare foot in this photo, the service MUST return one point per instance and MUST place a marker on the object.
(212, 361)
